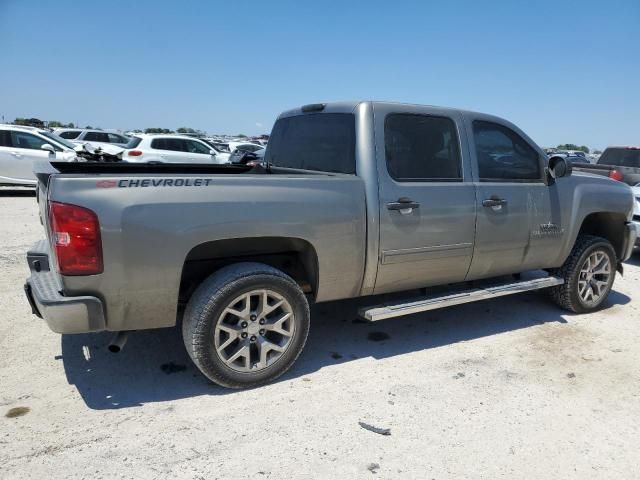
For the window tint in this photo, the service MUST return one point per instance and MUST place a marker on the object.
(172, 144)
(134, 142)
(421, 148)
(70, 135)
(197, 147)
(621, 157)
(96, 137)
(5, 138)
(503, 154)
(319, 141)
(26, 140)
(115, 138)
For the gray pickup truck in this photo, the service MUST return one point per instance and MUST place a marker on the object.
(618, 163)
(356, 199)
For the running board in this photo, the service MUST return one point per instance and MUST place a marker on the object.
(389, 311)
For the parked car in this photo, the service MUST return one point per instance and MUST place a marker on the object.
(171, 149)
(618, 163)
(435, 197)
(248, 153)
(21, 147)
(218, 145)
(95, 137)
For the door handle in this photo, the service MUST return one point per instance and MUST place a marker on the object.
(494, 202)
(403, 204)
(16, 154)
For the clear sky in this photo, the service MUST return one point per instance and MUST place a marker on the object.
(564, 71)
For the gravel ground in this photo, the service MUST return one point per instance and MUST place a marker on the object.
(510, 388)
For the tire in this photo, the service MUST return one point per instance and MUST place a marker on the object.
(229, 308)
(570, 295)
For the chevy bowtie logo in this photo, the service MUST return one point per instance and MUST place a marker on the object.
(106, 184)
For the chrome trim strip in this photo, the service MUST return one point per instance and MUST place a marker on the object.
(425, 253)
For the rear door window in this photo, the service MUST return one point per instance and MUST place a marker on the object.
(69, 135)
(115, 138)
(503, 155)
(421, 148)
(171, 144)
(96, 137)
(320, 141)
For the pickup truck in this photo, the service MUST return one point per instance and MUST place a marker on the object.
(354, 200)
(618, 163)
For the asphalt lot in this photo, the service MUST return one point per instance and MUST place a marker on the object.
(508, 388)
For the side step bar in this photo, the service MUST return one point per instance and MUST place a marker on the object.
(389, 311)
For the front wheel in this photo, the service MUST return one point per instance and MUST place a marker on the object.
(588, 275)
(245, 325)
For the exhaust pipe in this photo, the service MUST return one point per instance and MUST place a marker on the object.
(117, 342)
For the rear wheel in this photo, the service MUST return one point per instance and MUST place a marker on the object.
(588, 275)
(245, 325)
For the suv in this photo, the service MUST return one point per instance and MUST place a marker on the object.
(171, 149)
(21, 147)
(77, 135)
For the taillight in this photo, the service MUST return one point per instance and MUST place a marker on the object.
(616, 175)
(75, 235)
(134, 153)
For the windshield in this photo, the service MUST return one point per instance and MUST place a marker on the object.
(57, 139)
(621, 157)
(323, 142)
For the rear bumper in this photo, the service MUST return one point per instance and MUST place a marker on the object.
(63, 314)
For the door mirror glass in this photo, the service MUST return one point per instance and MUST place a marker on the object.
(48, 147)
(212, 153)
(559, 167)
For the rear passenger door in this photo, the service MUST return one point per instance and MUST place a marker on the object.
(427, 198)
(170, 150)
(515, 228)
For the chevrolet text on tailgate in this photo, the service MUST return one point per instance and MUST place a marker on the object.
(354, 200)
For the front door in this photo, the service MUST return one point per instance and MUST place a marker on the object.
(427, 199)
(514, 204)
(18, 159)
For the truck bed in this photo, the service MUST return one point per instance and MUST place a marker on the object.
(157, 219)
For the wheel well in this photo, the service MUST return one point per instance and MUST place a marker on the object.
(295, 257)
(606, 225)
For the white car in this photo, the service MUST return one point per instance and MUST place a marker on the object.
(244, 146)
(94, 137)
(21, 147)
(171, 149)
